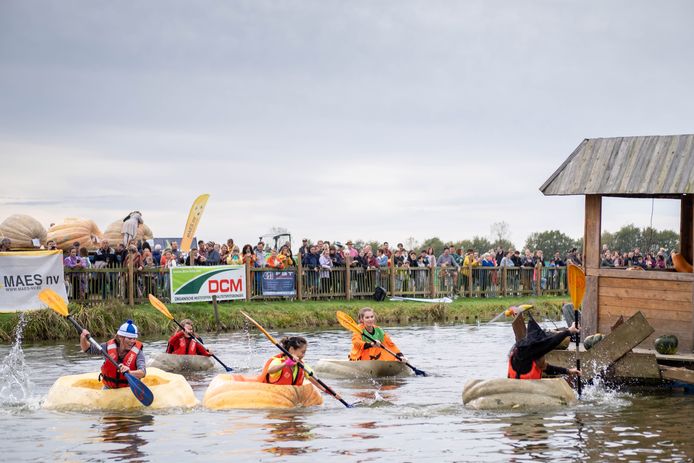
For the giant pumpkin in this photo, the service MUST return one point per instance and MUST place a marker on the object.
(72, 230)
(21, 230)
(113, 235)
(680, 263)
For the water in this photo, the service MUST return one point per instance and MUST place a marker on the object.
(399, 420)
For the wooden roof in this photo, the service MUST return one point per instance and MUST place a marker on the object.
(653, 166)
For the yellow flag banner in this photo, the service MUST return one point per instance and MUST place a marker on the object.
(194, 216)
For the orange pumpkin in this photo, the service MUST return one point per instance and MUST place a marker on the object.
(680, 263)
(113, 235)
(21, 230)
(72, 230)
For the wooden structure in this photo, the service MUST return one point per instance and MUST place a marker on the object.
(633, 167)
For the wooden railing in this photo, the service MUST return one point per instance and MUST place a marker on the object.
(132, 286)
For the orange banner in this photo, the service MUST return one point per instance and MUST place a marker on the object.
(194, 216)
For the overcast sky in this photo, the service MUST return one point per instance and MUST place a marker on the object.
(377, 120)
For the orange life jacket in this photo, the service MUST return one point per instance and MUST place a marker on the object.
(534, 373)
(110, 376)
(358, 351)
(286, 373)
(183, 345)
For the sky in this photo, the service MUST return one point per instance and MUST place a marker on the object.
(373, 120)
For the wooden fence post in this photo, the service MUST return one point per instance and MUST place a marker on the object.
(131, 282)
(299, 279)
(432, 283)
(348, 277)
(469, 280)
(392, 279)
(216, 312)
(249, 282)
(504, 285)
(538, 279)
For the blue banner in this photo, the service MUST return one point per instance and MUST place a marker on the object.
(279, 283)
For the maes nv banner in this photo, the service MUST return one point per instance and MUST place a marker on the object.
(23, 274)
(193, 284)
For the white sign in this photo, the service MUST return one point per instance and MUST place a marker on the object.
(23, 274)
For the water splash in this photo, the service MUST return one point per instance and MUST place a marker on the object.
(15, 385)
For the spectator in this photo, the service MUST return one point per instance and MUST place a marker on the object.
(446, 259)
(431, 258)
(130, 224)
(386, 250)
(194, 258)
(235, 257)
(456, 256)
(213, 256)
(381, 258)
(134, 257)
(311, 262)
(50, 245)
(202, 249)
(248, 256)
(105, 256)
(175, 251)
(73, 260)
(5, 245)
(336, 258)
(286, 256)
(273, 261)
(398, 258)
(326, 265)
(260, 254)
(507, 260)
(224, 254)
(304, 249)
(352, 252)
(121, 254)
(156, 255)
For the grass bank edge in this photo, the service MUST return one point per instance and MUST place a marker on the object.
(103, 319)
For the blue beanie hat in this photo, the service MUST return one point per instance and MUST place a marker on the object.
(128, 330)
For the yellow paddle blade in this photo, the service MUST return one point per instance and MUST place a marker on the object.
(577, 285)
(159, 305)
(347, 322)
(267, 335)
(54, 301)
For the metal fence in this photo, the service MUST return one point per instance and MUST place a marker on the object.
(132, 286)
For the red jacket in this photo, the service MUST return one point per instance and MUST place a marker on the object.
(179, 344)
(110, 375)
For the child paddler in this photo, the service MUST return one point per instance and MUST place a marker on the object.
(183, 341)
(125, 350)
(527, 357)
(365, 349)
(283, 370)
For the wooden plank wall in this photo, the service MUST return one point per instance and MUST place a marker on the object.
(667, 306)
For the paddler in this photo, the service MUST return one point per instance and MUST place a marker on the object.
(183, 341)
(365, 349)
(125, 350)
(284, 371)
(527, 357)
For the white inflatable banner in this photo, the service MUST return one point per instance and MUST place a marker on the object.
(23, 274)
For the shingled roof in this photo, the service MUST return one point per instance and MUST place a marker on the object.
(653, 166)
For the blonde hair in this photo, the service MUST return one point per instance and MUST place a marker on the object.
(363, 311)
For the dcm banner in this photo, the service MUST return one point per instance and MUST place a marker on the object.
(23, 274)
(193, 284)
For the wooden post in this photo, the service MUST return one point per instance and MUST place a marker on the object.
(216, 312)
(299, 279)
(504, 286)
(591, 261)
(131, 282)
(348, 277)
(469, 280)
(538, 279)
(392, 279)
(432, 283)
(687, 227)
(248, 281)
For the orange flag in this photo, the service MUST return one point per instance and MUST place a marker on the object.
(194, 216)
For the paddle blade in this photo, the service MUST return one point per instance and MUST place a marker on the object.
(497, 317)
(267, 335)
(54, 301)
(159, 305)
(577, 285)
(347, 322)
(139, 390)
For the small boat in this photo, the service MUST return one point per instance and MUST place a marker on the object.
(503, 393)
(361, 368)
(179, 363)
(235, 391)
(86, 392)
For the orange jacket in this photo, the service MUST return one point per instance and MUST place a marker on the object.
(534, 373)
(372, 353)
(287, 373)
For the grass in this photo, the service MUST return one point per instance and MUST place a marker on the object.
(103, 320)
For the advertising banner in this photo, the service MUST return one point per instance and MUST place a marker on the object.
(279, 284)
(195, 284)
(23, 274)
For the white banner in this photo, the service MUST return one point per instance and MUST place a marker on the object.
(23, 274)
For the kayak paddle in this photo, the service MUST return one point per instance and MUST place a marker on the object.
(300, 364)
(159, 305)
(577, 288)
(513, 310)
(58, 305)
(349, 323)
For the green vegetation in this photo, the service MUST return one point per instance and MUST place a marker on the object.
(103, 320)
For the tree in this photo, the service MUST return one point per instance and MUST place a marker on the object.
(411, 244)
(647, 239)
(435, 243)
(478, 243)
(501, 235)
(550, 242)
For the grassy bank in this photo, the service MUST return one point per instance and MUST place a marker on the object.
(103, 320)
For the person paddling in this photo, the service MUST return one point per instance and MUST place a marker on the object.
(183, 341)
(125, 350)
(527, 357)
(365, 349)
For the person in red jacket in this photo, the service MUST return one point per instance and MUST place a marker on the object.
(183, 342)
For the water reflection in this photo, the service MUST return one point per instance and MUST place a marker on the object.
(128, 431)
(287, 426)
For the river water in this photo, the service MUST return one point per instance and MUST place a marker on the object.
(412, 419)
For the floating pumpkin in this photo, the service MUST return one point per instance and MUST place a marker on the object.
(21, 230)
(591, 341)
(666, 344)
(113, 235)
(72, 230)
